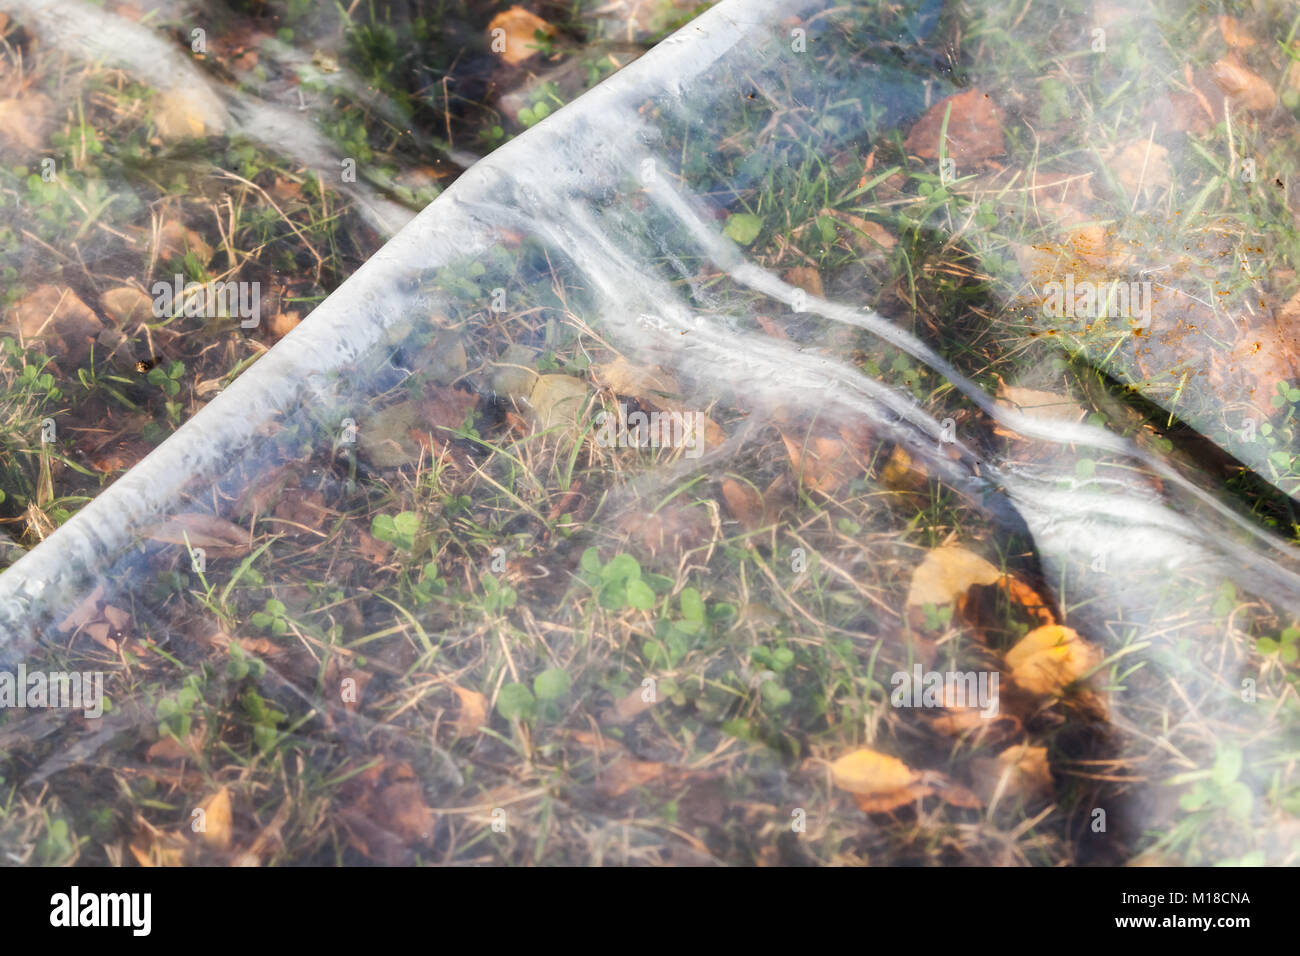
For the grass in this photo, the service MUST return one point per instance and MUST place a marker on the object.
(447, 660)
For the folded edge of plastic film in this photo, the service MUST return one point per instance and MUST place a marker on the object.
(53, 576)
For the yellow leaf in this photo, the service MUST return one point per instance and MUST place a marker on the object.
(512, 34)
(946, 574)
(1019, 771)
(866, 771)
(1050, 657)
(178, 116)
(217, 819)
(558, 400)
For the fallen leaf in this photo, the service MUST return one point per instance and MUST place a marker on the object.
(1050, 657)
(216, 536)
(947, 573)
(867, 771)
(1234, 32)
(1250, 90)
(217, 819)
(867, 237)
(672, 529)
(446, 408)
(126, 304)
(512, 34)
(514, 372)
(473, 711)
(901, 473)
(623, 378)
(974, 129)
(557, 400)
(387, 812)
(626, 774)
(180, 115)
(385, 436)
(282, 323)
(59, 318)
(1139, 164)
(167, 749)
(1019, 771)
(23, 122)
(158, 849)
(629, 707)
(1039, 405)
(174, 241)
(806, 278)
(822, 462)
(115, 616)
(87, 610)
(744, 502)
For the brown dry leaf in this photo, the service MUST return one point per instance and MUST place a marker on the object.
(822, 462)
(558, 400)
(282, 323)
(126, 304)
(169, 750)
(672, 529)
(372, 549)
(626, 774)
(1020, 770)
(947, 573)
(87, 610)
(23, 122)
(1038, 405)
(338, 673)
(1138, 164)
(1234, 32)
(59, 318)
(115, 616)
(517, 39)
(806, 278)
(744, 502)
(629, 707)
(865, 236)
(301, 511)
(403, 808)
(98, 632)
(974, 129)
(386, 436)
(217, 820)
(623, 378)
(174, 241)
(1248, 89)
(216, 536)
(958, 796)
(473, 711)
(1050, 657)
(387, 812)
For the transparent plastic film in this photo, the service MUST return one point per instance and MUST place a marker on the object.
(849, 433)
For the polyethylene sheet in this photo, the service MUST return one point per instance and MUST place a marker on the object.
(620, 508)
